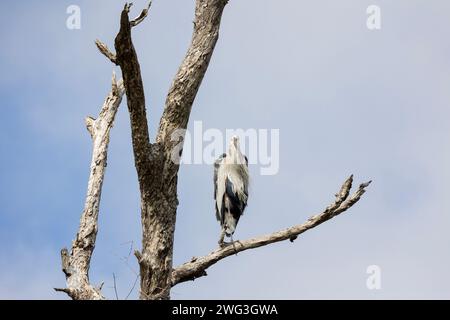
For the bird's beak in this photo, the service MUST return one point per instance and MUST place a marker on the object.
(235, 140)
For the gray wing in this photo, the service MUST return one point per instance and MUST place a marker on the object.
(218, 198)
(246, 182)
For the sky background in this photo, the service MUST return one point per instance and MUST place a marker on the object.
(346, 100)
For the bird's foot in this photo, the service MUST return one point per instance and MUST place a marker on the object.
(224, 244)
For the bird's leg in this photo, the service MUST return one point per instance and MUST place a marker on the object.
(222, 243)
(222, 236)
(232, 242)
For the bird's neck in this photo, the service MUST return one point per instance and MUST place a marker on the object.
(235, 157)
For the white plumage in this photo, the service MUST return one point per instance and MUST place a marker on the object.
(231, 180)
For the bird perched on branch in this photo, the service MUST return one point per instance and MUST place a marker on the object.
(231, 180)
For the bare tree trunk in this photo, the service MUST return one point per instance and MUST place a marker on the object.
(157, 173)
(159, 214)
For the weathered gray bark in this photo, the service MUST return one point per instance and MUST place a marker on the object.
(159, 222)
(155, 261)
(75, 264)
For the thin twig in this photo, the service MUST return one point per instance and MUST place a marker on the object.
(103, 48)
(132, 288)
(142, 16)
(115, 286)
(131, 250)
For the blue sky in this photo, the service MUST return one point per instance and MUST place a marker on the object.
(346, 100)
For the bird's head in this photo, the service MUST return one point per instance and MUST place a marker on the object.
(234, 151)
(235, 141)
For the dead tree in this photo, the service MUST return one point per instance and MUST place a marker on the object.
(157, 173)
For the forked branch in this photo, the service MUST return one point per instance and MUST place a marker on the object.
(142, 16)
(197, 266)
(187, 81)
(103, 48)
(75, 264)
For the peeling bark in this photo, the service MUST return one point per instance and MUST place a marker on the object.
(75, 264)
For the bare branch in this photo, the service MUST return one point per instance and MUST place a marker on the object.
(353, 199)
(184, 88)
(115, 286)
(148, 165)
(65, 290)
(157, 174)
(142, 16)
(197, 266)
(90, 125)
(132, 288)
(103, 48)
(341, 195)
(159, 192)
(128, 61)
(76, 264)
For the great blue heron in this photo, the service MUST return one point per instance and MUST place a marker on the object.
(231, 179)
